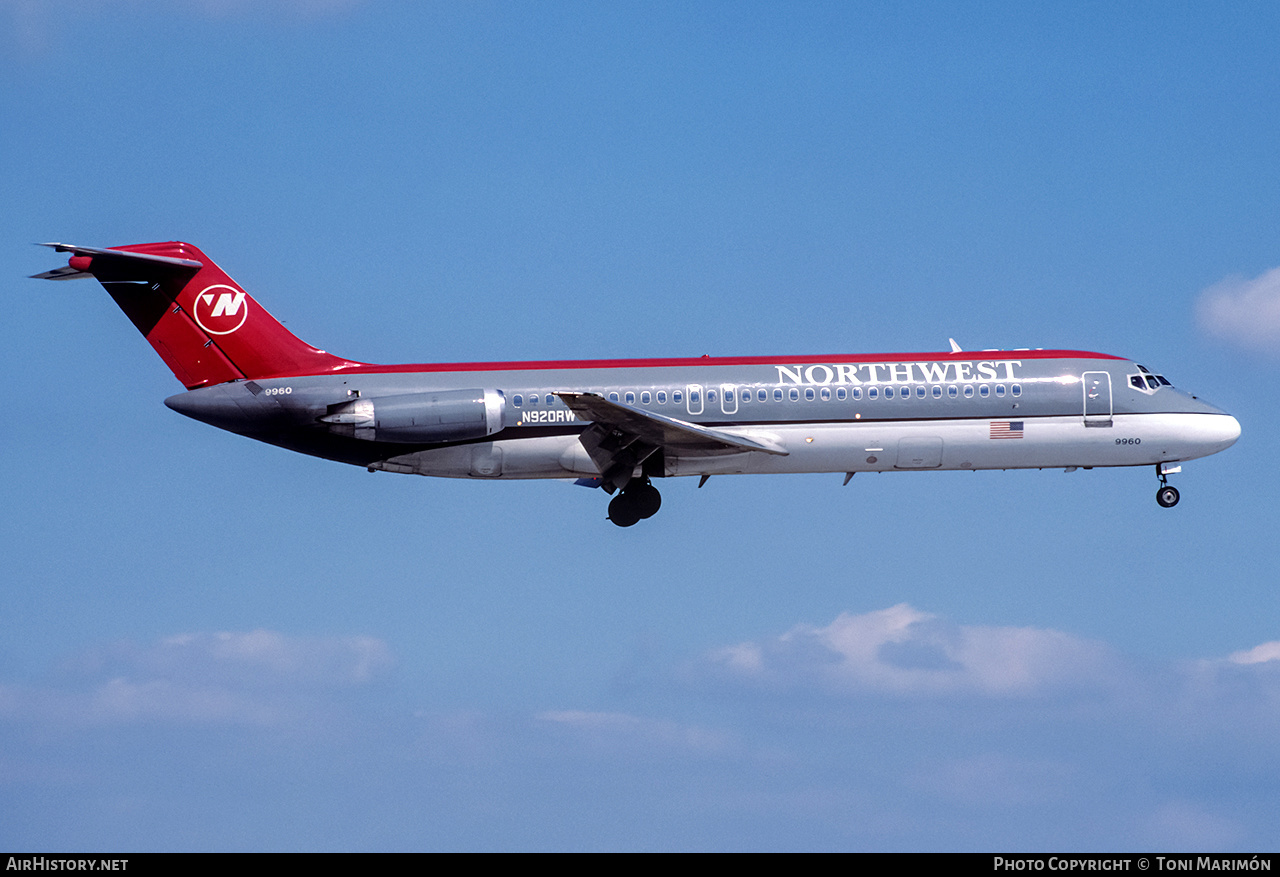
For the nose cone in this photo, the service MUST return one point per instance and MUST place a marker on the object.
(1207, 428)
(1228, 431)
(1207, 434)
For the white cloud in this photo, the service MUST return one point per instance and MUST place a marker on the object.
(903, 650)
(997, 778)
(267, 654)
(126, 701)
(294, 8)
(123, 700)
(1185, 826)
(1258, 654)
(611, 730)
(1243, 311)
(591, 721)
(32, 22)
(53, 9)
(259, 677)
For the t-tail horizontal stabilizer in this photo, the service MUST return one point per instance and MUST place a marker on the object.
(204, 326)
(116, 264)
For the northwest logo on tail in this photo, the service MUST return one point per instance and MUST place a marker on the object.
(220, 309)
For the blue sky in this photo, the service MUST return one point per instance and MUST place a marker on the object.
(214, 644)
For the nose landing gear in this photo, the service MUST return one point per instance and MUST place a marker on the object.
(1167, 494)
(638, 500)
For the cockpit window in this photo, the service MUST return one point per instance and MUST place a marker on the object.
(1146, 381)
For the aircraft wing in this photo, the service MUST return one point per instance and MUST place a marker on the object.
(622, 437)
(666, 432)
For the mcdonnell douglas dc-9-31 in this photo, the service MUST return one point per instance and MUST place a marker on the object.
(619, 424)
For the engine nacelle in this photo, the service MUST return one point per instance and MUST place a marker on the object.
(417, 418)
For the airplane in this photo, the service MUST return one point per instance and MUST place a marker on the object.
(620, 424)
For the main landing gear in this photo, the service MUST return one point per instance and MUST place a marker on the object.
(639, 499)
(1167, 495)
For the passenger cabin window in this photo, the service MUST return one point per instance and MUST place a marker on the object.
(533, 398)
(919, 392)
(937, 392)
(984, 391)
(644, 398)
(968, 392)
(1000, 390)
(662, 397)
(953, 391)
(794, 394)
(1016, 389)
(842, 393)
(808, 393)
(857, 392)
(613, 397)
(517, 400)
(631, 397)
(677, 397)
(872, 392)
(762, 395)
(888, 392)
(777, 395)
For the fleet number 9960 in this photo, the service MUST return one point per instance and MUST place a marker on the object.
(1128, 441)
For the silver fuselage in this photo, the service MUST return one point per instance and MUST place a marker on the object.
(971, 410)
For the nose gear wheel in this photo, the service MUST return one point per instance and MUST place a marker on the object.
(1167, 495)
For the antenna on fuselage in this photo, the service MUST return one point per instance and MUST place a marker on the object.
(955, 348)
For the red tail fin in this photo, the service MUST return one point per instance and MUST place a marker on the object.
(204, 326)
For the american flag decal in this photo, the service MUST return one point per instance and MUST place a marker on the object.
(1006, 429)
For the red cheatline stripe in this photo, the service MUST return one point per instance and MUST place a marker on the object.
(692, 362)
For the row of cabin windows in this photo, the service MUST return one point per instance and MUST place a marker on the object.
(811, 394)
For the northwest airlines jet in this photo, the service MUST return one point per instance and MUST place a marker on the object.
(618, 424)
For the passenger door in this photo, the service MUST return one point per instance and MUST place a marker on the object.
(1097, 398)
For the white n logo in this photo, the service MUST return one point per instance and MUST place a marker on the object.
(228, 305)
(220, 309)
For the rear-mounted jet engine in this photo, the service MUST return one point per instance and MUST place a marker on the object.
(417, 418)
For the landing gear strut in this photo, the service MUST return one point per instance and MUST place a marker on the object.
(1167, 495)
(639, 499)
